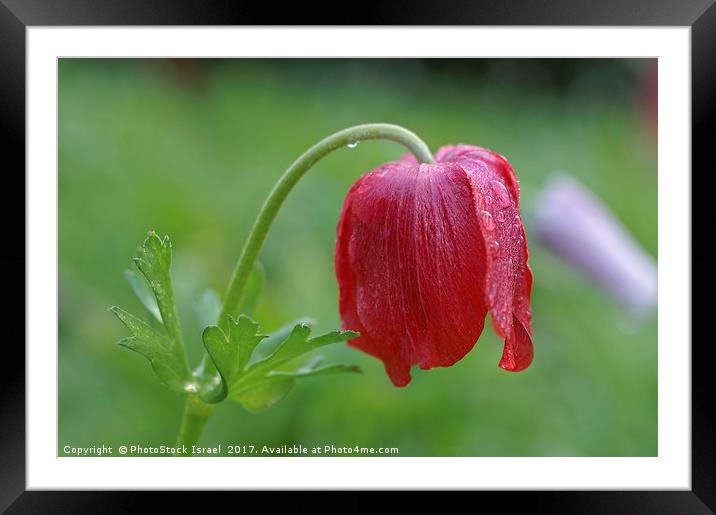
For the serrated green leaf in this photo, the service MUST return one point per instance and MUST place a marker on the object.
(168, 365)
(247, 335)
(143, 292)
(259, 374)
(172, 376)
(298, 343)
(208, 309)
(145, 334)
(230, 353)
(274, 339)
(259, 384)
(160, 341)
(154, 261)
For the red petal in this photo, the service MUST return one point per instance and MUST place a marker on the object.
(410, 263)
(518, 352)
(509, 278)
(491, 159)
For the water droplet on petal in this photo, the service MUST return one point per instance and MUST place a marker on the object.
(353, 144)
(500, 216)
(516, 230)
(492, 293)
(501, 193)
(494, 247)
(487, 220)
(487, 201)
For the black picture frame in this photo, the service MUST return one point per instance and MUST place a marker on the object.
(17, 15)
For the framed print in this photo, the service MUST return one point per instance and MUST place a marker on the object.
(423, 257)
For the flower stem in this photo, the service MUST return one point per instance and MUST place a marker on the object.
(196, 413)
(270, 208)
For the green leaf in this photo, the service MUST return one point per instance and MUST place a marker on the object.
(154, 261)
(259, 383)
(173, 375)
(298, 343)
(264, 382)
(145, 339)
(168, 365)
(160, 342)
(230, 353)
(272, 342)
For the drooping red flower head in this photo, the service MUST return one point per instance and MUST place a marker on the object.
(424, 251)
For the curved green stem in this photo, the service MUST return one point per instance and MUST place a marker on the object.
(269, 210)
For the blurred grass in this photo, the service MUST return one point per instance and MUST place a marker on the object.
(191, 149)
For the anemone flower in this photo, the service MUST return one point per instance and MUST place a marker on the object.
(425, 251)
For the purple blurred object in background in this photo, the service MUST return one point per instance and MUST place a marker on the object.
(577, 226)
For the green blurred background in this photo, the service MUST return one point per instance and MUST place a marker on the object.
(191, 148)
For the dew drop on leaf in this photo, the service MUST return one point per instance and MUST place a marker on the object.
(190, 387)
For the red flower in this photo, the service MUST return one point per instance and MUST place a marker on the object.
(424, 251)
